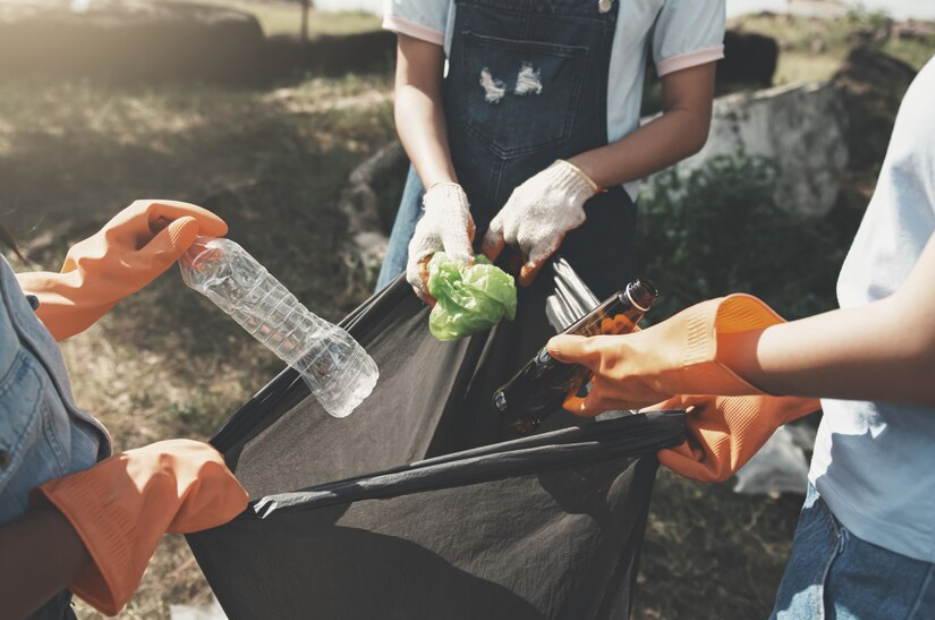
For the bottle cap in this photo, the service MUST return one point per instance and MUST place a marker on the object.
(642, 294)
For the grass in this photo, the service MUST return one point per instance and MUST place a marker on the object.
(711, 554)
(165, 363)
(812, 49)
(285, 18)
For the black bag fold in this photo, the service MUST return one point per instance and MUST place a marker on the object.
(421, 504)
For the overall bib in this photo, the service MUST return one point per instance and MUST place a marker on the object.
(526, 85)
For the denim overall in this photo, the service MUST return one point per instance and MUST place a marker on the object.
(503, 131)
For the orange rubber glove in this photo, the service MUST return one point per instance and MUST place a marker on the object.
(725, 432)
(677, 356)
(122, 506)
(132, 249)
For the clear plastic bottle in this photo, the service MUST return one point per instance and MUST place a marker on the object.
(338, 371)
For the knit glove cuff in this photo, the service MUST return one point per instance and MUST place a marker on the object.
(446, 226)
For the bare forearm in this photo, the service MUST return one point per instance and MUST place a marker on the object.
(883, 351)
(420, 120)
(651, 148)
(420, 113)
(858, 353)
(43, 554)
(681, 131)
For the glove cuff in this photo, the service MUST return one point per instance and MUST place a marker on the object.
(121, 507)
(441, 195)
(446, 224)
(108, 582)
(595, 188)
(703, 370)
(572, 181)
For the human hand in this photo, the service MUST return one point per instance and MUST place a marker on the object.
(447, 227)
(538, 215)
(682, 355)
(725, 432)
(122, 506)
(129, 252)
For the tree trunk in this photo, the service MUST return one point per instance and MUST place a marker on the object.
(306, 6)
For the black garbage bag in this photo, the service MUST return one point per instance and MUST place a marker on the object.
(422, 505)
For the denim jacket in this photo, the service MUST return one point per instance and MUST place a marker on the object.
(43, 435)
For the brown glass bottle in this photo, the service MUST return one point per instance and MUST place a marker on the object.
(539, 388)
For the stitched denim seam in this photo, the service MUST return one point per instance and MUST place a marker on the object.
(495, 176)
(21, 367)
(824, 568)
(8, 380)
(928, 582)
(830, 521)
(571, 13)
(51, 436)
(562, 50)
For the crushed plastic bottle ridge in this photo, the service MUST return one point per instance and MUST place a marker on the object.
(337, 370)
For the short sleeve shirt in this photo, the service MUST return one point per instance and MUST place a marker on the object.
(874, 462)
(679, 33)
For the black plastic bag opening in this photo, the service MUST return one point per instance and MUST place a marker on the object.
(422, 504)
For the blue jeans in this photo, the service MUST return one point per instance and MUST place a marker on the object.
(832, 574)
(410, 212)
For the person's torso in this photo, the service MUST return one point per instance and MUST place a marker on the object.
(42, 434)
(626, 70)
(874, 462)
(526, 85)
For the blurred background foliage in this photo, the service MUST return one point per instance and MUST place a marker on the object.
(718, 230)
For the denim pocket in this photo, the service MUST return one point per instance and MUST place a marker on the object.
(519, 96)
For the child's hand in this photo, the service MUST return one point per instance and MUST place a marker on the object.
(538, 215)
(447, 227)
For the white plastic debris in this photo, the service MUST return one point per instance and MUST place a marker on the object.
(211, 611)
(780, 466)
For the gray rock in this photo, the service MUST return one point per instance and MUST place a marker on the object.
(802, 128)
(358, 201)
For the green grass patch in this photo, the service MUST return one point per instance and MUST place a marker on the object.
(812, 49)
(279, 18)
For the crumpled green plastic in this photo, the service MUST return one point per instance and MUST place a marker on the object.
(470, 299)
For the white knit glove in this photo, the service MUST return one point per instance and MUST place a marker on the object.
(538, 215)
(446, 226)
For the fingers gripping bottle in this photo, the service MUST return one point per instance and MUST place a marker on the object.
(338, 371)
(540, 386)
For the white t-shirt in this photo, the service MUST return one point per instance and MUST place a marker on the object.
(682, 34)
(874, 463)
